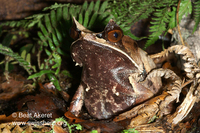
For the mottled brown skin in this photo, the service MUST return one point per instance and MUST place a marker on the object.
(106, 87)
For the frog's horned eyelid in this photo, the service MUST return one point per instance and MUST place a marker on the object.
(80, 27)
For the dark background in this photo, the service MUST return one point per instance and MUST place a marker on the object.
(19, 9)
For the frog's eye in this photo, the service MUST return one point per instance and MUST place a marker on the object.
(74, 33)
(115, 35)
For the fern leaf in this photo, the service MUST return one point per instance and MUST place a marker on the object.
(86, 19)
(47, 52)
(59, 35)
(92, 20)
(39, 74)
(53, 35)
(28, 57)
(103, 7)
(47, 23)
(159, 25)
(59, 15)
(172, 22)
(43, 39)
(90, 8)
(53, 18)
(196, 14)
(84, 7)
(54, 80)
(22, 62)
(28, 47)
(80, 18)
(185, 8)
(55, 40)
(35, 19)
(127, 12)
(44, 30)
(57, 59)
(6, 41)
(164, 17)
(23, 54)
(66, 14)
(96, 6)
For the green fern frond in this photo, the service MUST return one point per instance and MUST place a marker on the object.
(22, 62)
(54, 7)
(53, 36)
(56, 24)
(162, 17)
(21, 23)
(185, 9)
(130, 11)
(54, 29)
(127, 12)
(196, 14)
(94, 15)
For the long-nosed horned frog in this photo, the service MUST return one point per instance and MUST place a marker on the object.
(117, 75)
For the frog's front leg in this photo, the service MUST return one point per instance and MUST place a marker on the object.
(77, 101)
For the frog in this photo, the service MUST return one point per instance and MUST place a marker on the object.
(109, 60)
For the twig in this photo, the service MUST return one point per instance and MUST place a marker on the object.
(177, 15)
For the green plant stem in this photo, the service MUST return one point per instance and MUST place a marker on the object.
(6, 72)
(38, 58)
